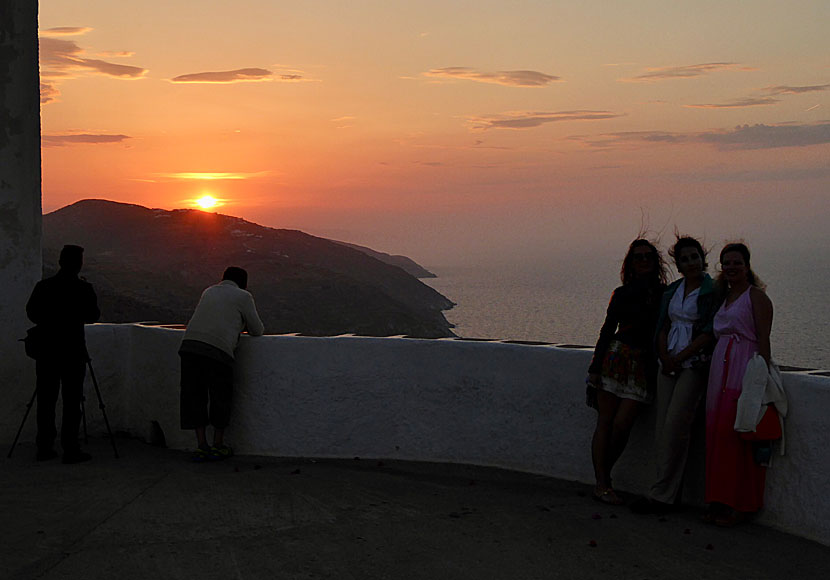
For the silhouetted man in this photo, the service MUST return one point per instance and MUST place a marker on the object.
(60, 306)
(207, 354)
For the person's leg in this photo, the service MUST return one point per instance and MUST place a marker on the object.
(221, 396)
(48, 385)
(672, 449)
(662, 401)
(72, 392)
(193, 399)
(607, 405)
(624, 418)
(201, 438)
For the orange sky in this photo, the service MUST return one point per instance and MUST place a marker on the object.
(452, 132)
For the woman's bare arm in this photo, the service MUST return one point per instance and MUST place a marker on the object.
(762, 313)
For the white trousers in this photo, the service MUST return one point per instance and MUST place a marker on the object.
(676, 404)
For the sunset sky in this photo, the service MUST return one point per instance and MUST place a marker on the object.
(453, 132)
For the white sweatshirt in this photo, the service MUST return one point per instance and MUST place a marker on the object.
(223, 312)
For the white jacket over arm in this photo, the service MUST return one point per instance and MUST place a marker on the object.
(761, 386)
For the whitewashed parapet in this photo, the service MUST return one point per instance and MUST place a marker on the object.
(487, 403)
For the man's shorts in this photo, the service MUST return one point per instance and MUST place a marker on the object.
(206, 389)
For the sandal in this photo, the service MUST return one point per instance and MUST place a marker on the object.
(606, 496)
(714, 512)
(732, 519)
(220, 452)
(200, 455)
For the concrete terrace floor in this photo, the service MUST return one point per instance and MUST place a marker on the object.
(154, 514)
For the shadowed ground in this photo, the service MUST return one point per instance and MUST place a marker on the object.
(153, 514)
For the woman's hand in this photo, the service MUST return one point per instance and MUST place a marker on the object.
(669, 365)
(594, 379)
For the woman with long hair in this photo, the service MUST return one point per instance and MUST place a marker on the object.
(742, 325)
(684, 340)
(623, 368)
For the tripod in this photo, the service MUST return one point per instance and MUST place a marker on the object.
(83, 413)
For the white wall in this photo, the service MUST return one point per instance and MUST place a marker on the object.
(513, 406)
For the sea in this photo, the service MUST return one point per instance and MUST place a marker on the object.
(564, 302)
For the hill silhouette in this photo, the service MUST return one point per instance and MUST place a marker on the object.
(152, 265)
(407, 264)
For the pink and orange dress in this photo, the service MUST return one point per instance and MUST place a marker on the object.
(733, 477)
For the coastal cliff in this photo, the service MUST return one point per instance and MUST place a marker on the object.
(152, 265)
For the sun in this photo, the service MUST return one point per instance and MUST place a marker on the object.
(207, 202)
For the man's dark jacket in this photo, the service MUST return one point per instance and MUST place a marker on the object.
(60, 306)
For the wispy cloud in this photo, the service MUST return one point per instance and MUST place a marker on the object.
(229, 76)
(116, 53)
(742, 137)
(684, 72)
(210, 175)
(509, 78)
(738, 103)
(64, 58)
(80, 139)
(790, 90)
(48, 92)
(763, 97)
(65, 31)
(754, 175)
(527, 120)
(770, 136)
(345, 122)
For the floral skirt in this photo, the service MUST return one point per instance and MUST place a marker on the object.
(625, 372)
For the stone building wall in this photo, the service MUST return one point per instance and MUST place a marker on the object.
(20, 206)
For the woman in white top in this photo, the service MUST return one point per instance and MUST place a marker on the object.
(683, 341)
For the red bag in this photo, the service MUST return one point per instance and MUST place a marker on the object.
(768, 428)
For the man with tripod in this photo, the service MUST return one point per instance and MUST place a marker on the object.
(60, 306)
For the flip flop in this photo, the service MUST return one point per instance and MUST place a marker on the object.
(607, 496)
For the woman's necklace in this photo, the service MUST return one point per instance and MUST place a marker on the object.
(735, 292)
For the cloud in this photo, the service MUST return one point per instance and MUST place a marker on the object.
(210, 176)
(527, 120)
(48, 92)
(230, 76)
(788, 90)
(80, 139)
(684, 72)
(738, 103)
(65, 31)
(742, 137)
(114, 70)
(60, 57)
(117, 53)
(509, 78)
(770, 136)
(767, 97)
(755, 175)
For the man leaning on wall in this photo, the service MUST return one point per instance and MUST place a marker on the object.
(207, 359)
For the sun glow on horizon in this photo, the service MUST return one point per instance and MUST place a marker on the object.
(207, 202)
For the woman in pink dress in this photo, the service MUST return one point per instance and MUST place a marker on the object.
(734, 481)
